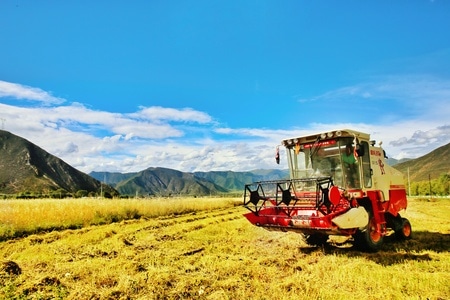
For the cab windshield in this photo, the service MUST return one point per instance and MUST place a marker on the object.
(329, 158)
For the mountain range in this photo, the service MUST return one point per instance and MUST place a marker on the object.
(26, 167)
(162, 181)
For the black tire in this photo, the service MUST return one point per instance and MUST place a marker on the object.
(316, 239)
(368, 239)
(404, 230)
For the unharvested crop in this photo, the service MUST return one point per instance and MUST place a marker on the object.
(216, 254)
(23, 217)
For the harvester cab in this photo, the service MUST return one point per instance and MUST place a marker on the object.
(339, 184)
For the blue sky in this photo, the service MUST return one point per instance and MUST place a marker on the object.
(121, 86)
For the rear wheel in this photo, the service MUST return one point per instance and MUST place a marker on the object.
(404, 230)
(370, 238)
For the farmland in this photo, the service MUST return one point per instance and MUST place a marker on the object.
(206, 249)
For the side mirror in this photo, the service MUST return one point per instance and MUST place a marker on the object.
(277, 155)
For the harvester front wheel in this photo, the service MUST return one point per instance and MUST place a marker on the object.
(404, 230)
(370, 238)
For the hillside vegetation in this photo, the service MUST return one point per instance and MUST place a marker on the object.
(429, 166)
(217, 254)
(25, 167)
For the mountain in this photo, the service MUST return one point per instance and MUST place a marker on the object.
(392, 161)
(25, 167)
(233, 181)
(162, 181)
(431, 165)
(158, 181)
(112, 178)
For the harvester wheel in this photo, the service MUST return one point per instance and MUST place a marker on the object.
(316, 239)
(369, 239)
(404, 231)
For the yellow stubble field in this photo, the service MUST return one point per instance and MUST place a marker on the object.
(203, 248)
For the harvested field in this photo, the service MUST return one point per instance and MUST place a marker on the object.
(217, 254)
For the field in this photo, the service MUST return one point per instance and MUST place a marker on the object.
(205, 249)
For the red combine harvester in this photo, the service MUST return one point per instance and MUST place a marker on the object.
(339, 184)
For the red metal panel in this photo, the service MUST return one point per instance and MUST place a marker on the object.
(397, 201)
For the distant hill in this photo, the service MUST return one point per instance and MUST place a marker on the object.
(162, 181)
(233, 181)
(158, 181)
(112, 178)
(25, 167)
(392, 161)
(431, 165)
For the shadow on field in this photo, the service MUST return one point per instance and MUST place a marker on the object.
(393, 250)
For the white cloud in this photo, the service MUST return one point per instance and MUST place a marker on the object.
(423, 95)
(81, 119)
(419, 142)
(408, 112)
(401, 139)
(98, 140)
(270, 135)
(18, 91)
(172, 114)
(190, 140)
(127, 145)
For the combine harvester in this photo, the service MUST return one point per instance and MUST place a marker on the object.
(339, 184)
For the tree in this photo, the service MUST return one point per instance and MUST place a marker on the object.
(59, 193)
(81, 193)
(444, 184)
(439, 186)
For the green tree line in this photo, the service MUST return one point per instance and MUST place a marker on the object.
(433, 187)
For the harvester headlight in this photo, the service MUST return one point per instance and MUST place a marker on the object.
(338, 133)
(295, 141)
(323, 135)
(329, 134)
(290, 142)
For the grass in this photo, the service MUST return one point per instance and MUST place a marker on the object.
(214, 253)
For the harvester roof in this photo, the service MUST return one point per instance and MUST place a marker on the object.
(326, 135)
